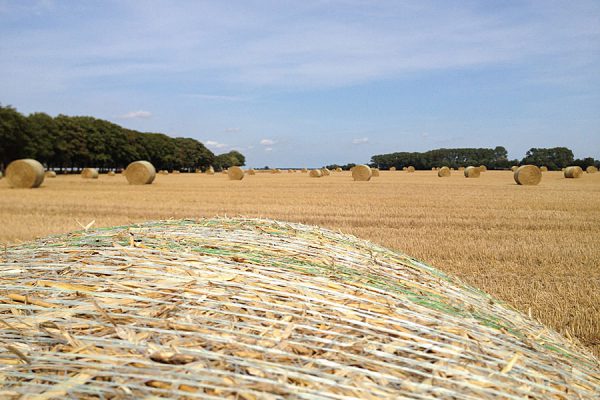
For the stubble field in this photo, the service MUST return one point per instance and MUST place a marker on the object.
(537, 248)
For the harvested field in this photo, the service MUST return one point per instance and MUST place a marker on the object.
(527, 245)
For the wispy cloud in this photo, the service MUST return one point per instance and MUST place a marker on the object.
(215, 144)
(136, 115)
(268, 149)
(231, 130)
(363, 140)
(267, 142)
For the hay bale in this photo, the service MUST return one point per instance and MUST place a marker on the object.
(528, 175)
(89, 173)
(1, 175)
(362, 173)
(482, 168)
(514, 168)
(591, 169)
(410, 169)
(573, 172)
(374, 172)
(461, 168)
(210, 171)
(140, 173)
(338, 169)
(246, 308)
(315, 173)
(164, 172)
(251, 172)
(175, 171)
(325, 172)
(25, 174)
(472, 172)
(50, 174)
(304, 170)
(111, 173)
(543, 168)
(235, 173)
(394, 168)
(444, 172)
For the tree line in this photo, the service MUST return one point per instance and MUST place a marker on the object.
(496, 158)
(71, 143)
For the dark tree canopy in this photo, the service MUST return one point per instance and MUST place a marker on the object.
(77, 142)
(231, 159)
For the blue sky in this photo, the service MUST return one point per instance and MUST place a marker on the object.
(308, 83)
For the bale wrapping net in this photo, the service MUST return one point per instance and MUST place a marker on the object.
(248, 308)
(25, 174)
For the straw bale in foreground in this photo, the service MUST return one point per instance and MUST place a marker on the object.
(140, 173)
(528, 175)
(573, 172)
(472, 172)
(25, 174)
(362, 173)
(444, 172)
(89, 173)
(244, 309)
(315, 173)
(235, 173)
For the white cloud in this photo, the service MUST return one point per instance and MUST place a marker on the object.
(268, 149)
(267, 142)
(136, 114)
(215, 144)
(363, 140)
(231, 130)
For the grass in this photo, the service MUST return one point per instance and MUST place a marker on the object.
(537, 248)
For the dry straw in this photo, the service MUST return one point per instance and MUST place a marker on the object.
(573, 172)
(591, 169)
(528, 175)
(111, 173)
(410, 169)
(210, 170)
(374, 172)
(176, 171)
(514, 168)
(315, 173)
(394, 168)
(444, 172)
(543, 168)
(248, 309)
(140, 173)
(25, 174)
(472, 172)
(325, 172)
(338, 169)
(89, 173)
(362, 173)
(164, 172)
(235, 173)
(461, 168)
(251, 172)
(50, 174)
(482, 168)
(304, 170)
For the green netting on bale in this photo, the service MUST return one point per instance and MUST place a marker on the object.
(247, 308)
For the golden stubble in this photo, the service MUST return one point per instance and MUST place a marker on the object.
(535, 247)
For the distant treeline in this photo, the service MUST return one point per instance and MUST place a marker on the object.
(496, 158)
(66, 142)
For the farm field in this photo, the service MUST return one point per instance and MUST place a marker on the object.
(537, 248)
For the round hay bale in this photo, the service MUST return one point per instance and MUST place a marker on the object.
(50, 174)
(111, 173)
(315, 173)
(140, 173)
(472, 172)
(393, 168)
(210, 171)
(89, 173)
(591, 169)
(444, 172)
(461, 168)
(176, 171)
(543, 168)
(338, 169)
(573, 172)
(325, 172)
(1, 176)
(528, 175)
(514, 168)
(164, 172)
(410, 169)
(251, 172)
(274, 311)
(374, 172)
(235, 173)
(482, 168)
(25, 174)
(362, 173)
(304, 170)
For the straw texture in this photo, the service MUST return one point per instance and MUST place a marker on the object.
(245, 309)
(25, 174)
(591, 169)
(573, 172)
(472, 172)
(315, 173)
(374, 172)
(528, 175)
(89, 173)
(361, 173)
(50, 174)
(444, 172)
(410, 169)
(140, 173)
